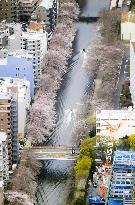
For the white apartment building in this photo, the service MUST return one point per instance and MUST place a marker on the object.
(132, 72)
(14, 39)
(36, 44)
(20, 91)
(115, 3)
(128, 26)
(10, 34)
(4, 168)
(4, 28)
(115, 123)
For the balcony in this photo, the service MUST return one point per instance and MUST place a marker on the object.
(14, 114)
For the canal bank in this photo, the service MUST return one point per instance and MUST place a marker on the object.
(54, 180)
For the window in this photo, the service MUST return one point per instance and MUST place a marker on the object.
(98, 130)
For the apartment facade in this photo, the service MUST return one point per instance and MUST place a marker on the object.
(26, 7)
(132, 72)
(115, 123)
(36, 45)
(14, 38)
(6, 123)
(116, 4)
(121, 186)
(8, 10)
(4, 167)
(4, 33)
(128, 26)
(19, 90)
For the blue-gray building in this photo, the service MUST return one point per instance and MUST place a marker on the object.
(18, 65)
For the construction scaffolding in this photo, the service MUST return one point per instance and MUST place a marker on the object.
(121, 189)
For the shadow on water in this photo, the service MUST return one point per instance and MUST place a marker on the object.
(88, 19)
(54, 180)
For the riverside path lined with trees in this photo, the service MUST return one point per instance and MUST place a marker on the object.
(55, 177)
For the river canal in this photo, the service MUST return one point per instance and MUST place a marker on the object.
(55, 175)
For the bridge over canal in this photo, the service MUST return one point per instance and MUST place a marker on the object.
(55, 152)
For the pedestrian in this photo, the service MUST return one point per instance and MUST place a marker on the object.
(73, 151)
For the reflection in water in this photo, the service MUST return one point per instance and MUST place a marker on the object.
(55, 176)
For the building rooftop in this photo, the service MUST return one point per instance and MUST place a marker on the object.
(124, 157)
(128, 17)
(3, 137)
(18, 54)
(3, 61)
(36, 26)
(2, 35)
(7, 82)
(120, 113)
(21, 54)
(46, 3)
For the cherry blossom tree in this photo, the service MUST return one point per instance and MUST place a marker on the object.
(42, 115)
(104, 57)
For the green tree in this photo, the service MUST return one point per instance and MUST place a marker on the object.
(79, 201)
(91, 119)
(83, 166)
(132, 141)
(91, 123)
(87, 147)
(133, 3)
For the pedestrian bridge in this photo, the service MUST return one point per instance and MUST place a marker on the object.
(55, 153)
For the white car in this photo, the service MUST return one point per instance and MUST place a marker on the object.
(128, 3)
